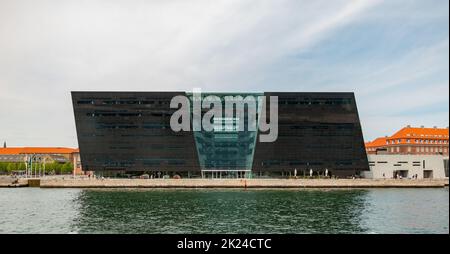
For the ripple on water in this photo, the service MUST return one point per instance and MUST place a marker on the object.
(34, 210)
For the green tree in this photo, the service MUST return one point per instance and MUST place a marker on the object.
(57, 167)
(21, 166)
(67, 168)
(3, 167)
(49, 167)
(53, 167)
(11, 167)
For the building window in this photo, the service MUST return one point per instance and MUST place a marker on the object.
(409, 149)
(398, 149)
(426, 150)
(408, 141)
(422, 149)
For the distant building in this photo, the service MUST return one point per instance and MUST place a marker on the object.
(412, 140)
(49, 154)
(388, 166)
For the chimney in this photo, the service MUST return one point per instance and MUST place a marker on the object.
(435, 127)
(422, 126)
(4, 144)
(408, 126)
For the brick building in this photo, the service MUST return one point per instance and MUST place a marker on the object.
(412, 140)
(50, 154)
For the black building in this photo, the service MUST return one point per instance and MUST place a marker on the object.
(129, 132)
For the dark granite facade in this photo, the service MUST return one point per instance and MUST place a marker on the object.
(130, 131)
(317, 131)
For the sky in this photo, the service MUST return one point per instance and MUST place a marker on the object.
(394, 55)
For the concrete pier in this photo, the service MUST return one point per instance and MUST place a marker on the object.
(242, 183)
(11, 182)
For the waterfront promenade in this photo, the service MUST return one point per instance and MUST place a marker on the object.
(70, 182)
(241, 183)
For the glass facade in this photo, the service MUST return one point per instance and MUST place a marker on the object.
(130, 132)
(226, 148)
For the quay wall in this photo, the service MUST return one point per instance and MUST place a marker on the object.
(241, 183)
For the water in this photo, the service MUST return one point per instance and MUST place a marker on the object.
(34, 210)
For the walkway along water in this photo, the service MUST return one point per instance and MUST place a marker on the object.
(239, 183)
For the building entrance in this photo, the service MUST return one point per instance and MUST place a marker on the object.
(226, 174)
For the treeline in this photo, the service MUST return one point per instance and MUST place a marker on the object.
(50, 168)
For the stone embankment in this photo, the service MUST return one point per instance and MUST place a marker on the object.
(241, 183)
(6, 181)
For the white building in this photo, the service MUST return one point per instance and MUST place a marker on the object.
(407, 166)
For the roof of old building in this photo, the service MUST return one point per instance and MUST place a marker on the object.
(37, 150)
(409, 132)
(376, 142)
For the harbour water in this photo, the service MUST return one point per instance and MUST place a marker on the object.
(35, 210)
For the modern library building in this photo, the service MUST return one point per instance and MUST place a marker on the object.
(131, 133)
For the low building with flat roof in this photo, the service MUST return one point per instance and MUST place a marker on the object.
(390, 166)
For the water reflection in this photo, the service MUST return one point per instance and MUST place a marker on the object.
(35, 210)
(221, 211)
(407, 211)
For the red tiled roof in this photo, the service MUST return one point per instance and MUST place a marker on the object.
(376, 142)
(411, 132)
(11, 150)
(37, 150)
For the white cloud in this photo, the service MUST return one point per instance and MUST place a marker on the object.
(50, 47)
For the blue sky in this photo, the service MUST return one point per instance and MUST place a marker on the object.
(393, 54)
